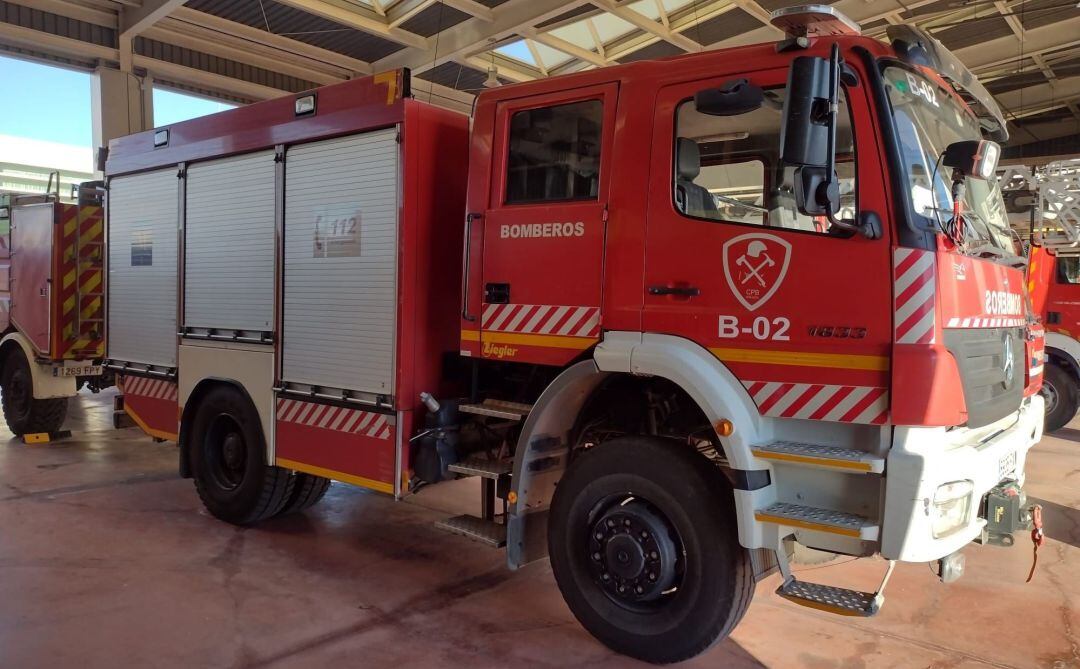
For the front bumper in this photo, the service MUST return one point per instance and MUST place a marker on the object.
(924, 458)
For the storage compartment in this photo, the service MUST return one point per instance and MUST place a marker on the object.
(143, 218)
(229, 244)
(340, 268)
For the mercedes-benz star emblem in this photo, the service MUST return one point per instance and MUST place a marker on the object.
(1007, 362)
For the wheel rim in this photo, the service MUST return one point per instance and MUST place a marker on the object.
(20, 393)
(634, 553)
(226, 452)
(1050, 396)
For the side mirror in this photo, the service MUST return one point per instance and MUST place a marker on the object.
(976, 158)
(808, 138)
(732, 98)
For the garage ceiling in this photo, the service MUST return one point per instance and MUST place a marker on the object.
(1026, 51)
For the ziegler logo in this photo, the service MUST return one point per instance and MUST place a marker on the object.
(755, 265)
(499, 351)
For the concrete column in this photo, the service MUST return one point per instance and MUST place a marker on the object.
(121, 103)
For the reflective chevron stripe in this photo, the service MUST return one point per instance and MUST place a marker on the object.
(338, 419)
(141, 386)
(811, 401)
(914, 295)
(542, 319)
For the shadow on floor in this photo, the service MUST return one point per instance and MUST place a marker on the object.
(1067, 433)
(1060, 523)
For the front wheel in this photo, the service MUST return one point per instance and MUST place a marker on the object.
(644, 546)
(228, 460)
(1061, 395)
(23, 413)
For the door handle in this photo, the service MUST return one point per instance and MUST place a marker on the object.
(681, 291)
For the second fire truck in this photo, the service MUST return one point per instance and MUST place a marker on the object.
(700, 310)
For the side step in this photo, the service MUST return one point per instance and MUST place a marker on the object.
(514, 411)
(485, 531)
(831, 599)
(826, 457)
(819, 520)
(482, 467)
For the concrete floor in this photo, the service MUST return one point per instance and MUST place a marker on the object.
(107, 559)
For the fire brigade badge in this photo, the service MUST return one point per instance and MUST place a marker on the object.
(755, 265)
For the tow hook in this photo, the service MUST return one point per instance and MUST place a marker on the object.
(1037, 538)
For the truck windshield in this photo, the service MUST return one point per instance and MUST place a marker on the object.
(928, 119)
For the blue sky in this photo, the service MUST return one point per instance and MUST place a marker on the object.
(53, 104)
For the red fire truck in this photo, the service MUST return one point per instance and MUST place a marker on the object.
(51, 311)
(677, 316)
(1051, 195)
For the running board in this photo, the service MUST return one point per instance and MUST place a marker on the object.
(514, 411)
(818, 520)
(825, 457)
(485, 531)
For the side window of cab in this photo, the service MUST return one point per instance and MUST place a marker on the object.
(728, 167)
(554, 153)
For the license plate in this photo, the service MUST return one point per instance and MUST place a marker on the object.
(1006, 465)
(81, 370)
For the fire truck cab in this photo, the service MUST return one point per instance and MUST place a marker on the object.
(701, 310)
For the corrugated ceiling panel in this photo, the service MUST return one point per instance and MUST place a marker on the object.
(229, 68)
(974, 31)
(1038, 13)
(655, 50)
(729, 24)
(456, 76)
(437, 17)
(566, 16)
(299, 25)
(54, 24)
(1016, 81)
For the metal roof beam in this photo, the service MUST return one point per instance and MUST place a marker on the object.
(547, 39)
(643, 22)
(257, 39)
(1003, 50)
(134, 20)
(471, 37)
(354, 16)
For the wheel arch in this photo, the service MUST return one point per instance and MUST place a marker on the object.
(543, 448)
(46, 386)
(1065, 351)
(191, 407)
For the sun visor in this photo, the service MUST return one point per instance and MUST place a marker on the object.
(916, 47)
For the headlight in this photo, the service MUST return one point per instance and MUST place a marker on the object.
(952, 507)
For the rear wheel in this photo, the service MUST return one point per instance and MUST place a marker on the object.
(1060, 392)
(645, 549)
(23, 413)
(228, 460)
(308, 489)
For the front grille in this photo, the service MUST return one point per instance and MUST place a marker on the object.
(980, 355)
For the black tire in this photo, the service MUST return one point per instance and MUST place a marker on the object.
(642, 483)
(308, 489)
(23, 413)
(1061, 395)
(228, 460)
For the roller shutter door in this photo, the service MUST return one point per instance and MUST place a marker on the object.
(143, 218)
(229, 244)
(340, 272)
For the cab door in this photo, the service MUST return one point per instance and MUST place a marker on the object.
(801, 314)
(543, 230)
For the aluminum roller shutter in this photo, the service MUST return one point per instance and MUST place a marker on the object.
(143, 218)
(340, 273)
(229, 243)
